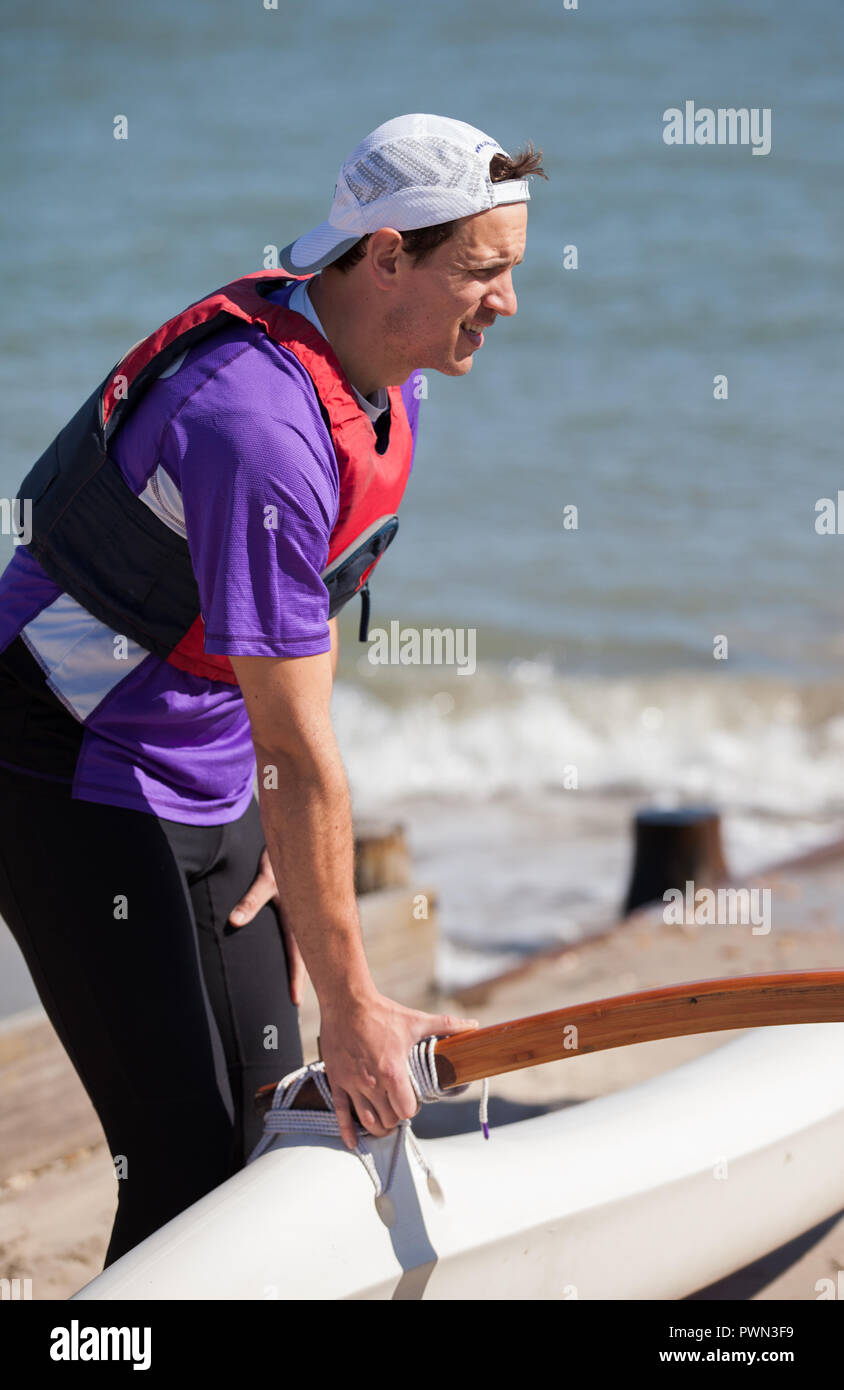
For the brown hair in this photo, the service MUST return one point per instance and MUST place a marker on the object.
(423, 240)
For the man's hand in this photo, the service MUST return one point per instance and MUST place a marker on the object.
(365, 1048)
(306, 814)
(263, 891)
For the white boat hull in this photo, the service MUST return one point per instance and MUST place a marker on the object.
(652, 1193)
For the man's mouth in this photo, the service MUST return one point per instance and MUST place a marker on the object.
(474, 332)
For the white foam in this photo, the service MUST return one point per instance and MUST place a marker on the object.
(519, 860)
(746, 744)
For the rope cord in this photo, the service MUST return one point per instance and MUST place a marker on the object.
(281, 1118)
(422, 1065)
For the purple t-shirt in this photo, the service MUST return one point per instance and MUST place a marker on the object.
(230, 449)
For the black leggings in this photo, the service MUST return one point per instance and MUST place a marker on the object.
(171, 1017)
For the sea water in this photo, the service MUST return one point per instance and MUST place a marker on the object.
(671, 384)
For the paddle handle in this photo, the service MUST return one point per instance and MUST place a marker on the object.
(707, 1006)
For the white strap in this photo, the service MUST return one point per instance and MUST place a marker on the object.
(281, 1118)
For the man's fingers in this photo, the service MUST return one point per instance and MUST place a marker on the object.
(372, 1121)
(447, 1023)
(386, 1112)
(343, 1111)
(365, 1112)
(260, 893)
(404, 1102)
(243, 913)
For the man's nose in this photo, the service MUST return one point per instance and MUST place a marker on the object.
(502, 296)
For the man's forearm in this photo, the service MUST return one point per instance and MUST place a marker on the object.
(306, 815)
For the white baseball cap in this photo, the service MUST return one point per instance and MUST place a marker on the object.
(413, 171)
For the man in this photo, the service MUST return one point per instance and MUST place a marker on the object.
(194, 530)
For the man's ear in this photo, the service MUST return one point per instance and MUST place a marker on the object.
(384, 253)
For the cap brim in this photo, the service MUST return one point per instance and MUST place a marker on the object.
(316, 249)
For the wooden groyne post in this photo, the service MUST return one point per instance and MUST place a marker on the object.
(670, 848)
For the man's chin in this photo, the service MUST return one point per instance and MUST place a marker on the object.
(459, 366)
(452, 365)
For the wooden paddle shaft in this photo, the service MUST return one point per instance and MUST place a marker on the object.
(751, 1001)
(748, 1001)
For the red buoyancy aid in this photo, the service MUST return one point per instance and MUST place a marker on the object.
(96, 539)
